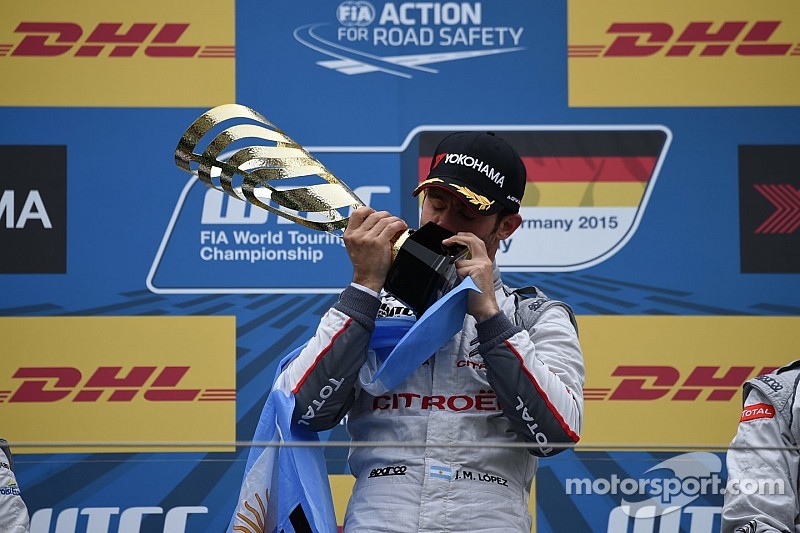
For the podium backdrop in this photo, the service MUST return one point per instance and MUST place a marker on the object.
(142, 315)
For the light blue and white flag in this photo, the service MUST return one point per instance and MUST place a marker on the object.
(286, 488)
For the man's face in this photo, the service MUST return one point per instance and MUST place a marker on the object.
(446, 210)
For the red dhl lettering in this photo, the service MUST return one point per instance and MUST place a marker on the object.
(653, 382)
(53, 384)
(484, 401)
(756, 411)
(50, 39)
(708, 38)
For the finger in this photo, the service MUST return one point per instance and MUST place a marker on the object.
(358, 217)
(383, 221)
(394, 226)
(375, 220)
(476, 246)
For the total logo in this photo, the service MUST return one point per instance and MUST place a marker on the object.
(401, 39)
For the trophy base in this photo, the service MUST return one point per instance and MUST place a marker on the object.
(424, 270)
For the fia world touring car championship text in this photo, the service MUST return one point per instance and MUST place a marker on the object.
(254, 247)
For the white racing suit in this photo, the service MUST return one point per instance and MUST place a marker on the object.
(13, 512)
(515, 378)
(764, 457)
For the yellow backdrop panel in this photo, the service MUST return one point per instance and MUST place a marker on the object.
(119, 380)
(147, 53)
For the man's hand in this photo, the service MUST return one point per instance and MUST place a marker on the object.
(484, 304)
(368, 239)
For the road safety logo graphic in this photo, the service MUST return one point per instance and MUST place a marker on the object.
(404, 38)
(586, 194)
(769, 208)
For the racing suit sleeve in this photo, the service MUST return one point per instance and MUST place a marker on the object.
(323, 376)
(752, 465)
(13, 512)
(538, 377)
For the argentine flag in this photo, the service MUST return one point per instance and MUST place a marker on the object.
(286, 488)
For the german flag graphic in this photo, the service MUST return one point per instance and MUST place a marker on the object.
(586, 192)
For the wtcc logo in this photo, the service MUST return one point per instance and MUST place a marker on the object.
(436, 32)
(100, 519)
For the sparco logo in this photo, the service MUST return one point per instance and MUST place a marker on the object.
(770, 382)
(477, 164)
(399, 470)
(431, 32)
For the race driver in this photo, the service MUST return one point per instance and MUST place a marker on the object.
(513, 375)
(763, 459)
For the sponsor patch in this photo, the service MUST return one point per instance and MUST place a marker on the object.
(10, 490)
(392, 470)
(756, 411)
(770, 382)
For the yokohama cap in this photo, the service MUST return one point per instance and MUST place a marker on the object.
(481, 169)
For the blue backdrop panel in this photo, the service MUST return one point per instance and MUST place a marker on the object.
(359, 84)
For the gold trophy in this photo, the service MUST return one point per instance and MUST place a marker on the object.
(243, 154)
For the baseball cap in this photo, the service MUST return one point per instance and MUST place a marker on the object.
(481, 169)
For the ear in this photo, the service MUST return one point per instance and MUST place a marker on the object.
(509, 225)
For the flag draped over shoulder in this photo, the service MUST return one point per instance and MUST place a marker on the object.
(286, 488)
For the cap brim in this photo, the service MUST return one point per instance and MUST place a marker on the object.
(474, 199)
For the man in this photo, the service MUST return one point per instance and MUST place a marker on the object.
(763, 460)
(13, 512)
(513, 375)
